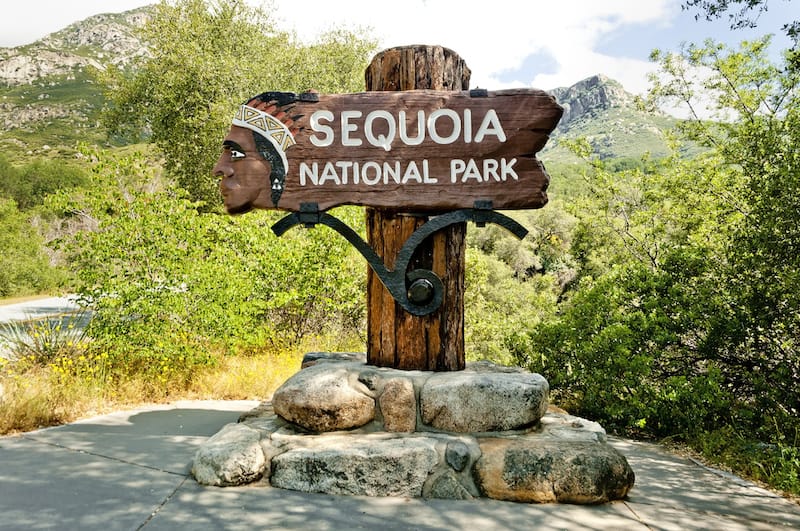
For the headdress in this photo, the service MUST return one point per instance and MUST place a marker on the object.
(267, 126)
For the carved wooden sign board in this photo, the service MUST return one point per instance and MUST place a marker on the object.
(412, 151)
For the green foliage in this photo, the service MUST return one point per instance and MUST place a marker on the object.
(776, 464)
(513, 285)
(500, 307)
(29, 184)
(24, 266)
(316, 282)
(206, 57)
(757, 340)
(683, 319)
(622, 350)
(169, 284)
(42, 341)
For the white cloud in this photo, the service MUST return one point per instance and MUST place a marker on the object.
(497, 35)
(494, 37)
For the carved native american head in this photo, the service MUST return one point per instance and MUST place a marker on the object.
(253, 165)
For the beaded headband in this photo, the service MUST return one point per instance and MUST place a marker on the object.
(267, 126)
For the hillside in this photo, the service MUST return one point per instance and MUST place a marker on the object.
(47, 97)
(49, 103)
(601, 111)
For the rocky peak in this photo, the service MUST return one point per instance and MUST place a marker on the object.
(96, 41)
(112, 34)
(590, 96)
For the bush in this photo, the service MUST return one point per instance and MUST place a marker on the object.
(24, 266)
(170, 285)
(31, 183)
(500, 308)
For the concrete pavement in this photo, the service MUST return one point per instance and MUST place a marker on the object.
(130, 470)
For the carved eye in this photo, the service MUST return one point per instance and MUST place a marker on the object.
(237, 155)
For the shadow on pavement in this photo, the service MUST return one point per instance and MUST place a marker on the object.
(130, 470)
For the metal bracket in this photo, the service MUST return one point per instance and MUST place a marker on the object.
(419, 291)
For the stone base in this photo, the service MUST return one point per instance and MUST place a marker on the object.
(361, 430)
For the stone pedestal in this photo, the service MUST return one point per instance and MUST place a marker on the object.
(340, 426)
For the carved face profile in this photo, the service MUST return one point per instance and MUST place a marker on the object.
(252, 167)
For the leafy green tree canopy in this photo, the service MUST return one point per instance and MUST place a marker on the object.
(24, 265)
(30, 184)
(685, 314)
(205, 58)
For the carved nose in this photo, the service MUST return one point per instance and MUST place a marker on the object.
(222, 169)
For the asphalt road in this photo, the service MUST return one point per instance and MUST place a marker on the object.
(34, 309)
(37, 308)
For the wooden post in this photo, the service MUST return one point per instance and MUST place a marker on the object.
(396, 338)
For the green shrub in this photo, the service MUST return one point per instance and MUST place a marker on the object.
(41, 341)
(24, 265)
(31, 183)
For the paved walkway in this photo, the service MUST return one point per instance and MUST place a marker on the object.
(130, 470)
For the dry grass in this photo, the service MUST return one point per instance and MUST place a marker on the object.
(38, 396)
(36, 400)
(252, 377)
(42, 397)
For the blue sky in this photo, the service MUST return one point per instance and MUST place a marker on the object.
(506, 43)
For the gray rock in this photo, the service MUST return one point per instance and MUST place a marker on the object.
(570, 428)
(233, 456)
(487, 432)
(398, 406)
(447, 486)
(312, 358)
(530, 470)
(457, 455)
(482, 401)
(369, 466)
(590, 95)
(324, 398)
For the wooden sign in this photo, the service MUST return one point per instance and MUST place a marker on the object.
(418, 150)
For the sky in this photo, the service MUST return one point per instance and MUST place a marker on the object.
(541, 44)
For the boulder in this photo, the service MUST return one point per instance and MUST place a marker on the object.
(368, 466)
(398, 406)
(447, 486)
(324, 398)
(469, 402)
(233, 456)
(485, 431)
(540, 471)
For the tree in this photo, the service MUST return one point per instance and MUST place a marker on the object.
(24, 266)
(743, 18)
(205, 58)
(31, 183)
(628, 345)
(169, 284)
(688, 271)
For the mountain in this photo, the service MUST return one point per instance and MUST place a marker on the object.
(601, 111)
(49, 103)
(47, 97)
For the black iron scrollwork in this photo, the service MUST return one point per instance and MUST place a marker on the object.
(419, 291)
